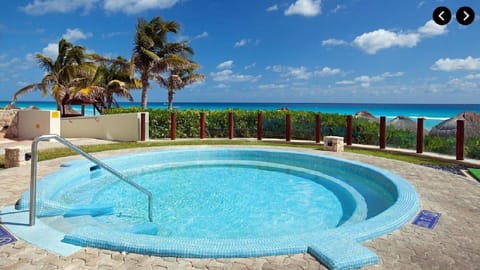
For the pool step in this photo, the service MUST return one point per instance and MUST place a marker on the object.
(342, 254)
(79, 210)
(143, 228)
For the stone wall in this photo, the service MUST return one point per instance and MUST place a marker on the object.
(8, 124)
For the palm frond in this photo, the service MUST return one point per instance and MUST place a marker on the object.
(25, 90)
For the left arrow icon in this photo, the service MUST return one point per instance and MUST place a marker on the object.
(441, 15)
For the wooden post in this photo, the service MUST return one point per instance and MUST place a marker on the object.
(142, 127)
(173, 126)
(202, 125)
(420, 135)
(460, 139)
(383, 132)
(288, 127)
(259, 126)
(349, 129)
(318, 130)
(230, 125)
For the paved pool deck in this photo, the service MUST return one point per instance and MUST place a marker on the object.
(453, 244)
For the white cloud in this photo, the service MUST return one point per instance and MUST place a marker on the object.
(221, 86)
(473, 76)
(8, 64)
(327, 71)
(307, 8)
(272, 8)
(299, 73)
(302, 73)
(380, 39)
(338, 8)
(227, 75)
(137, 6)
(73, 35)
(432, 29)
(244, 42)
(334, 42)
(272, 86)
(200, 36)
(366, 81)
(39, 7)
(225, 65)
(447, 64)
(51, 50)
(275, 68)
(252, 65)
(240, 43)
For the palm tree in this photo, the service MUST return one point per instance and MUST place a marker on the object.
(180, 73)
(149, 49)
(109, 81)
(69, 70)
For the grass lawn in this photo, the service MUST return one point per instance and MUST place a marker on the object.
(475, 173)
(63, 152)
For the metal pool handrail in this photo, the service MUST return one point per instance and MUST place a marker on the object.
(33, 174)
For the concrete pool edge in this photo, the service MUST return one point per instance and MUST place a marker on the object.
(320, 248)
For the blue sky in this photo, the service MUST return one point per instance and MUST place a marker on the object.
(369, 51)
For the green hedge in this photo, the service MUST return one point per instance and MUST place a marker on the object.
(303, 128)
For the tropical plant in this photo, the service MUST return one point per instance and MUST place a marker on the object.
(70, 70)
(180, 73)
(150, 47)
(112, 78)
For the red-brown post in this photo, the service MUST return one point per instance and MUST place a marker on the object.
(318, 130)
(173, 126)
(420, 135)
(142, 127)
(230, 125)
(288, 127)
(383, 132)
(460, 139)
(259, 126)
(349, 129)
(202, 125)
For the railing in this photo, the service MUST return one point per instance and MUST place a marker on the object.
(312, 128)
(33, 180)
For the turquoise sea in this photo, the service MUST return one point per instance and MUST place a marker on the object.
(434, 113)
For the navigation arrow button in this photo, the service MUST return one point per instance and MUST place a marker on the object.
(441, 15)
(465, 15)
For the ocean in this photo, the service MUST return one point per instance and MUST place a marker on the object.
(433, 113)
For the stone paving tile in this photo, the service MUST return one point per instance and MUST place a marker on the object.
(453, 244)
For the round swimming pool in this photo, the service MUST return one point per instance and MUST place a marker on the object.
(228, 202)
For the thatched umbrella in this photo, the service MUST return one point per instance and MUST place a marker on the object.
(405, 123)
(448, 127)
(366, 115)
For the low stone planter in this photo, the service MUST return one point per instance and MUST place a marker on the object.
(333, 143)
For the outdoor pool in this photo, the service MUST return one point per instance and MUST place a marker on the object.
(228, 202)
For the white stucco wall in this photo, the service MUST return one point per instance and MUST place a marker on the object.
(117, 127)
(33, 123)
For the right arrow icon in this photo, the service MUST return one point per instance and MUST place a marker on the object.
(465, 15)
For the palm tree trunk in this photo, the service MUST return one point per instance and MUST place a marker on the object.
(170, 99)
(144, 96)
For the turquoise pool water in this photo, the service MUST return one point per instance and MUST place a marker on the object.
(229, 202)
